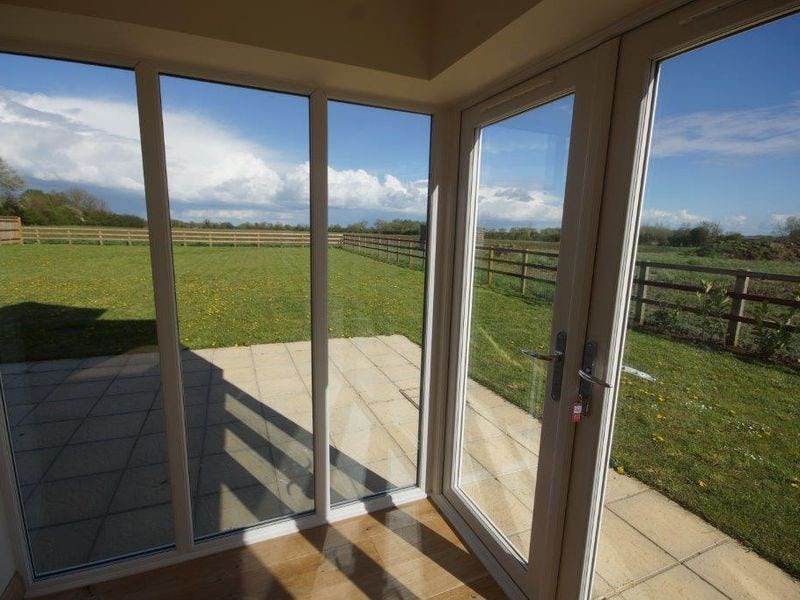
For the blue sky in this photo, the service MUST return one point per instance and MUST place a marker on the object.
(726, 144)
(523, 167)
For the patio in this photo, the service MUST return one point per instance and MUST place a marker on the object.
(89, 449)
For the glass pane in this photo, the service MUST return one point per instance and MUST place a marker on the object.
(710, 450)
(377, 216)
(523, 163)
(237, 163)
(80, 371)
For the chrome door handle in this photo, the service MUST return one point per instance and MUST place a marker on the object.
(556, 356)
(638, 373)
(589, 378)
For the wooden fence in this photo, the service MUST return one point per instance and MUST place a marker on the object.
(10, 230)
(403, 249)
(180, 236)
(541, 266)
(525, 266)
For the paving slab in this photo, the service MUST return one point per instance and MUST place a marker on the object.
(671, 527)
(625, 556)
(740, 573)
(677, 583)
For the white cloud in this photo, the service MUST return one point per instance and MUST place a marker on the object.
(96, 142)
(519, 205)
(80, 140)
(738, 133)
(669, 218)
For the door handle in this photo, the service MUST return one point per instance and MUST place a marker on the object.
(557, 358)
(638, 373)
(587, 379)
(591, 379)
(554, 357)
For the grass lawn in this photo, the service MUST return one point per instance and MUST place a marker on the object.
(718, 434)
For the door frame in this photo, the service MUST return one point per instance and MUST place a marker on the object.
(590, 78)
(689, 27)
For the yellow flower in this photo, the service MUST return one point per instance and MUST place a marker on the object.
(660, 417)
(621, 470)
(701, 483)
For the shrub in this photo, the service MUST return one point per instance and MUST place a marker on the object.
(770, 341)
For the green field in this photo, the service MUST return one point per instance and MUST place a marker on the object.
(717, 433)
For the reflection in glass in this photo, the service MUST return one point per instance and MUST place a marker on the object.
(78, 362)
(237, 163)
(712, 445)
(377, 251)
(523, 161)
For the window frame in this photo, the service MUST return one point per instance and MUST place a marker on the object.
(147, 73)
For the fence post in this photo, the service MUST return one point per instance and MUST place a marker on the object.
(129, 238)
(489, 267)
(410, 249)
(209, 239)
(737, 310)
(100, 236)
(69, 237)
(523, 281)
(641, 291)
(38, 239)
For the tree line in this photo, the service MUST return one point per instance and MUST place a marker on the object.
(69, 207)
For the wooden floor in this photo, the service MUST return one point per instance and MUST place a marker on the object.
(405, 552)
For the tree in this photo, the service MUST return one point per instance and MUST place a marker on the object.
(84, 201)
(790, 229)
(10, 181)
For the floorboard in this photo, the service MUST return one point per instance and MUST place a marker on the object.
(403, 552)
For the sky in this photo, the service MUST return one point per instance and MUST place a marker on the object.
(725, 148)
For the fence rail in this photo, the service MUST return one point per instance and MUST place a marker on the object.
(527, 266)
(180, 236)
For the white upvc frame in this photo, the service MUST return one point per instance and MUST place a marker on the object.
(154, 164)
(691, 26)
(147, 75)
(589, 78)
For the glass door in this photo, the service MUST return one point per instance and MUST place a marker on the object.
(697, 320)
(529, 198)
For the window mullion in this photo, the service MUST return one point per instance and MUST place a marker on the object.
(158, 217)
